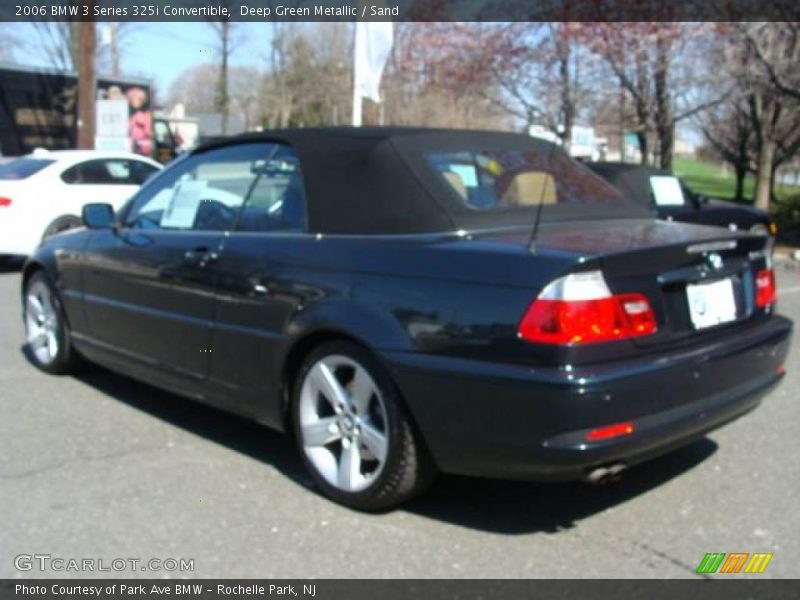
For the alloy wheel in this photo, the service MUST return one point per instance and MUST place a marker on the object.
(343, 423)
(41, 323)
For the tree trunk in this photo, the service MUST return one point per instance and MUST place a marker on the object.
(86, 86)
(641, 136)
(114, 48)
(622, 156)
(741, 173)
(665, 129)
(221, 96)
(567, 103)
(773, 178)
(764, 174)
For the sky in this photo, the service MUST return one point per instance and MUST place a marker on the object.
(159, 51)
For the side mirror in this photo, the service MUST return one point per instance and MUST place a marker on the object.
(98, 216)
(700, 199)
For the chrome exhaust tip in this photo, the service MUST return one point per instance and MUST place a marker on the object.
(605, 474)
(596, 475)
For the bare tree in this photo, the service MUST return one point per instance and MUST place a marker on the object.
(11, 39)
(113, 40)
(308, 78)
(541, 76)
(279, 111)
(775, 48)
(728, 128)
(226, 45)
(195, 88)
(761, 52)
(441, 74)
(661, 67)
(59, 41)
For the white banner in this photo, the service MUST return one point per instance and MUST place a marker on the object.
(373, 45)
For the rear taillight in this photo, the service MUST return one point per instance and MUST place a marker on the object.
(766, 292)
(5, 201)
(580, 309)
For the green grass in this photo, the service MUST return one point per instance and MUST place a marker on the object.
(712, 180)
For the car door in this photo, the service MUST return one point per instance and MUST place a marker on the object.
(149, 285)
(262, 283)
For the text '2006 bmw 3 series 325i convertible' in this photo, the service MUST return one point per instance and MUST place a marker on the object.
(410, 301)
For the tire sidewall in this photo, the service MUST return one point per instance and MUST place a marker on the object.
(371, 497)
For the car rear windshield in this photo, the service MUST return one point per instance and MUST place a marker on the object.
(492, 180)
(22, 168)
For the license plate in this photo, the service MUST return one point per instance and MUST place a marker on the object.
(711, 303)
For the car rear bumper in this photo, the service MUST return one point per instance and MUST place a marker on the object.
(521, 422)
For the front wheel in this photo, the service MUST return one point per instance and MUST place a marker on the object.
(353, 432)
(47, 335)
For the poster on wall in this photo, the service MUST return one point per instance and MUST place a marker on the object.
(140, 117)
(111, 128)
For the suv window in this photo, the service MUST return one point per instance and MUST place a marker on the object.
(206, 191)
(117, 171)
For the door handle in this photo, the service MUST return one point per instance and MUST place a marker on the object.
(200, 256)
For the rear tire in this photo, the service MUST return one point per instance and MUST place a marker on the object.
(63, 223)
(48, 344)
(353, 432)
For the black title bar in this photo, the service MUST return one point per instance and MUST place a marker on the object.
(398, 10)
(734, 588)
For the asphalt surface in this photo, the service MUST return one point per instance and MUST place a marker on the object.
(103, 467)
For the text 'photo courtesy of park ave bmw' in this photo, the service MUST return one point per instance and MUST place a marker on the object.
(300, 295)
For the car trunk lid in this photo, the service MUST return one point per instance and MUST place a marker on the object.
(698, 279)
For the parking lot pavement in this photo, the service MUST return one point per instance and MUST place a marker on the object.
(103, 467)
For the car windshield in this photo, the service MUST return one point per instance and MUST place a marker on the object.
(490, 180)
(22, 168)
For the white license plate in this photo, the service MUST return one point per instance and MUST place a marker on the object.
(711, 303)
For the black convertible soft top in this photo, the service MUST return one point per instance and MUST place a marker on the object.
(376, 180)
